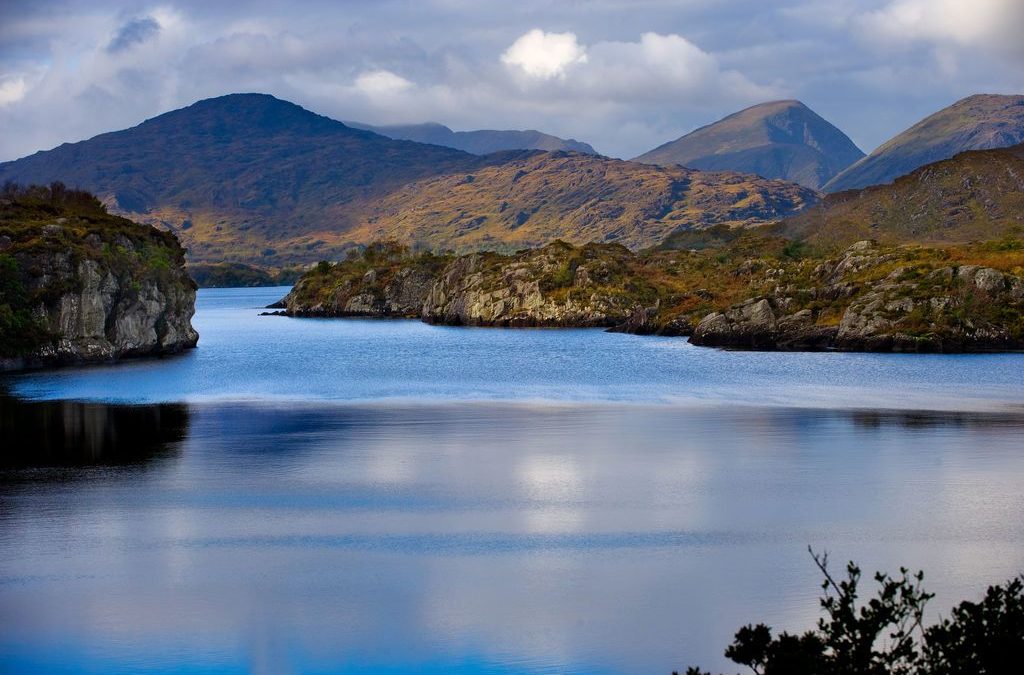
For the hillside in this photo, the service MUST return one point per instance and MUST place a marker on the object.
(240, 175)
(480, 142)
(978, 122)
(781, 139)
(975, 196)
(249, 178)
(536, 198)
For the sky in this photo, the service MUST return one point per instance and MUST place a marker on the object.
(622, 75)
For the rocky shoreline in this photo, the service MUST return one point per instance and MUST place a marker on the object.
(868, 298)
(79, 285)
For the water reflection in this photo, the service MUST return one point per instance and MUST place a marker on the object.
(931, 419)
(72, 433)
(484, 537)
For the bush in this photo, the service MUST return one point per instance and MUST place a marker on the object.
(885, 635)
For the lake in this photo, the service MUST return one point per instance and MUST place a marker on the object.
(314, 496)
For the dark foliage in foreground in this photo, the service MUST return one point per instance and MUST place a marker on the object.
(885, 635)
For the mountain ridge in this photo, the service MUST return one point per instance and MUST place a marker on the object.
(977, 122)
(477, 142)
(778, 139)
(250, 178)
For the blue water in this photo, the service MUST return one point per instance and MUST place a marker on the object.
(385, 496)
(244, 356)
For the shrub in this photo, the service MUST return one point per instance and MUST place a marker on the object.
(885, 635)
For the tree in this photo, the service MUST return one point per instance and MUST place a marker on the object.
(885, 635)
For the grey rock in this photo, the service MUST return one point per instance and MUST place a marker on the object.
(102, 314)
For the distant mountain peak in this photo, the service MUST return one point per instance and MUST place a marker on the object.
(776, 139)
(479, 142)
(252, 111)
(977, 122)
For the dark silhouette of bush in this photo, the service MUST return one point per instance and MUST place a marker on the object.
(885, 634)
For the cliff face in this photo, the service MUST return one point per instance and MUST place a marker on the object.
(384, 281)
(81, 286)
(557, 285)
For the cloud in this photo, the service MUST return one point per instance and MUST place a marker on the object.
(135, 32)
(544, 55)
(664, 68)
(382, 83)
(12, 90)
(656, 69)
(984, 24)
(623, 75)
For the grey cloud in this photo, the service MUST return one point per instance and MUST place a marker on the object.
(133, 33)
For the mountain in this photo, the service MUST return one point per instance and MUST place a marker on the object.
(481, 142)
(975, 123)
(538, 197)
(250, 178)
(781, 139)
(974, 196)
(238, 175)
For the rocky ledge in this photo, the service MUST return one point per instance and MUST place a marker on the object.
(875, 300)
(78, 285)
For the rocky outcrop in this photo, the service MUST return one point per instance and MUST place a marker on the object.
(92, 289)
(533, 288)
(557, 285)
(912, 308)
(389, 291)
(759, 324)
(890, 315)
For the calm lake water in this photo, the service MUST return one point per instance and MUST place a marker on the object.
(318, 496)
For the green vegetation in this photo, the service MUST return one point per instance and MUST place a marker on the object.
(20, 332)
(886, 635)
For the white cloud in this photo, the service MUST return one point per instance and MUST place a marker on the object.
(382, 84)
(12, 90)
(981, 24)
(664, 68)
(656, 70)
(544, 55)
